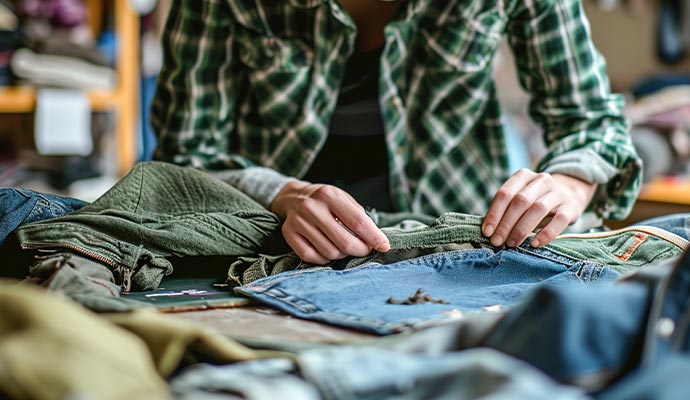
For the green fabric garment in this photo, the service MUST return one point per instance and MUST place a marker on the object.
(262, 87)
(51, 348)
(156, 212)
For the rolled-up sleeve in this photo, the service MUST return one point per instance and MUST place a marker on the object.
(585, 132)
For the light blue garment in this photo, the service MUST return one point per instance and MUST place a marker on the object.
(363, 373)
(666, 381)
(257, 380)
(470, 281)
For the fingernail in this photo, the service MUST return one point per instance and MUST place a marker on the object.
(384, 247)
(511, 243)
(496, 240)
(488, 230)
(535, 243)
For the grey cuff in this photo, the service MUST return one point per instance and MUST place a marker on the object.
(583, 164)
(260, 183)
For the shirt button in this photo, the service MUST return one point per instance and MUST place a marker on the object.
(396, 102)
(400, 149)
(665, 328)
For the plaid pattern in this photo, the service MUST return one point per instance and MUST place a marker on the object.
(255, 83)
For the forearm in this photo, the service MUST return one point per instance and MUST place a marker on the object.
(584, 128)
(260, 183)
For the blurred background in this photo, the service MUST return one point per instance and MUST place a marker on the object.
(77, 77)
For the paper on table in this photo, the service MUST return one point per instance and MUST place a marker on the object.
(63, 123)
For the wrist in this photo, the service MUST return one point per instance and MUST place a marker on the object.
(290, 190)
(582, 190)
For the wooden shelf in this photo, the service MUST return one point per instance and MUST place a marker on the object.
(22, 99)
(123, 99)
(667, 190)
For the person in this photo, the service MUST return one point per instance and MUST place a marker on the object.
(318, 108)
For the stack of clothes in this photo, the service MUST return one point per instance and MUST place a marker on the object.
(58, 49)
(9, 24)
(596, 315)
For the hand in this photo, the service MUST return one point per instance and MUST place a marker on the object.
(324, 223)
(529, 201)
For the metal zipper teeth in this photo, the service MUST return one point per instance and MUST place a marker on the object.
(125, 273)
(39, 246)
(670, 237)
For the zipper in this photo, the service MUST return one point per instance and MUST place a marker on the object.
(124, 272)
(670, 237)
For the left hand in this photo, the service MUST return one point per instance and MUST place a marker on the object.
(529, 201)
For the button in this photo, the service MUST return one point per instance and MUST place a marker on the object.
(665, 327)
(396, 101)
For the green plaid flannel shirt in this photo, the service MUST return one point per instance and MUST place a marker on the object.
(248, 83)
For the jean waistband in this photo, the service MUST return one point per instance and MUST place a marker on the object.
(623, 248)
(663, 234)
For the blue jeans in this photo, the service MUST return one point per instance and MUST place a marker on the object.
(676, 223)
(592, 336)
(581, 336)
(469, 281)
(22, 206)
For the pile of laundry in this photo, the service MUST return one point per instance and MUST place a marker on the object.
(599, 315)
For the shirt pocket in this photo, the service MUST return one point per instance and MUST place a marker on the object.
(460, 41)
(279, 73)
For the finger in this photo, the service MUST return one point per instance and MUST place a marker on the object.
(316, 214)
(345, 240)
(320, 241)
(364, 228)
(503, 198)
(352, 216)
(563, 217)
(519, 205)
(532, 219)
(303, 248)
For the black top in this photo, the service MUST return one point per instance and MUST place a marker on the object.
(354, 155)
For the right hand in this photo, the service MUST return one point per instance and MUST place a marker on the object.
(324, 223)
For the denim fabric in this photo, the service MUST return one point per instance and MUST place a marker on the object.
(567, 333)
(361, 373)
(350, 373)
(22, 206)
(591, 336)
(667, 381)
(158, 211)
(257, 380)
(469, 280)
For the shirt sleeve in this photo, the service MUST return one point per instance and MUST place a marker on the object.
(193, 112)
(260, 183)
(585, 132)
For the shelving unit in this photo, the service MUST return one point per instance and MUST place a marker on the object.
(123, 99)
